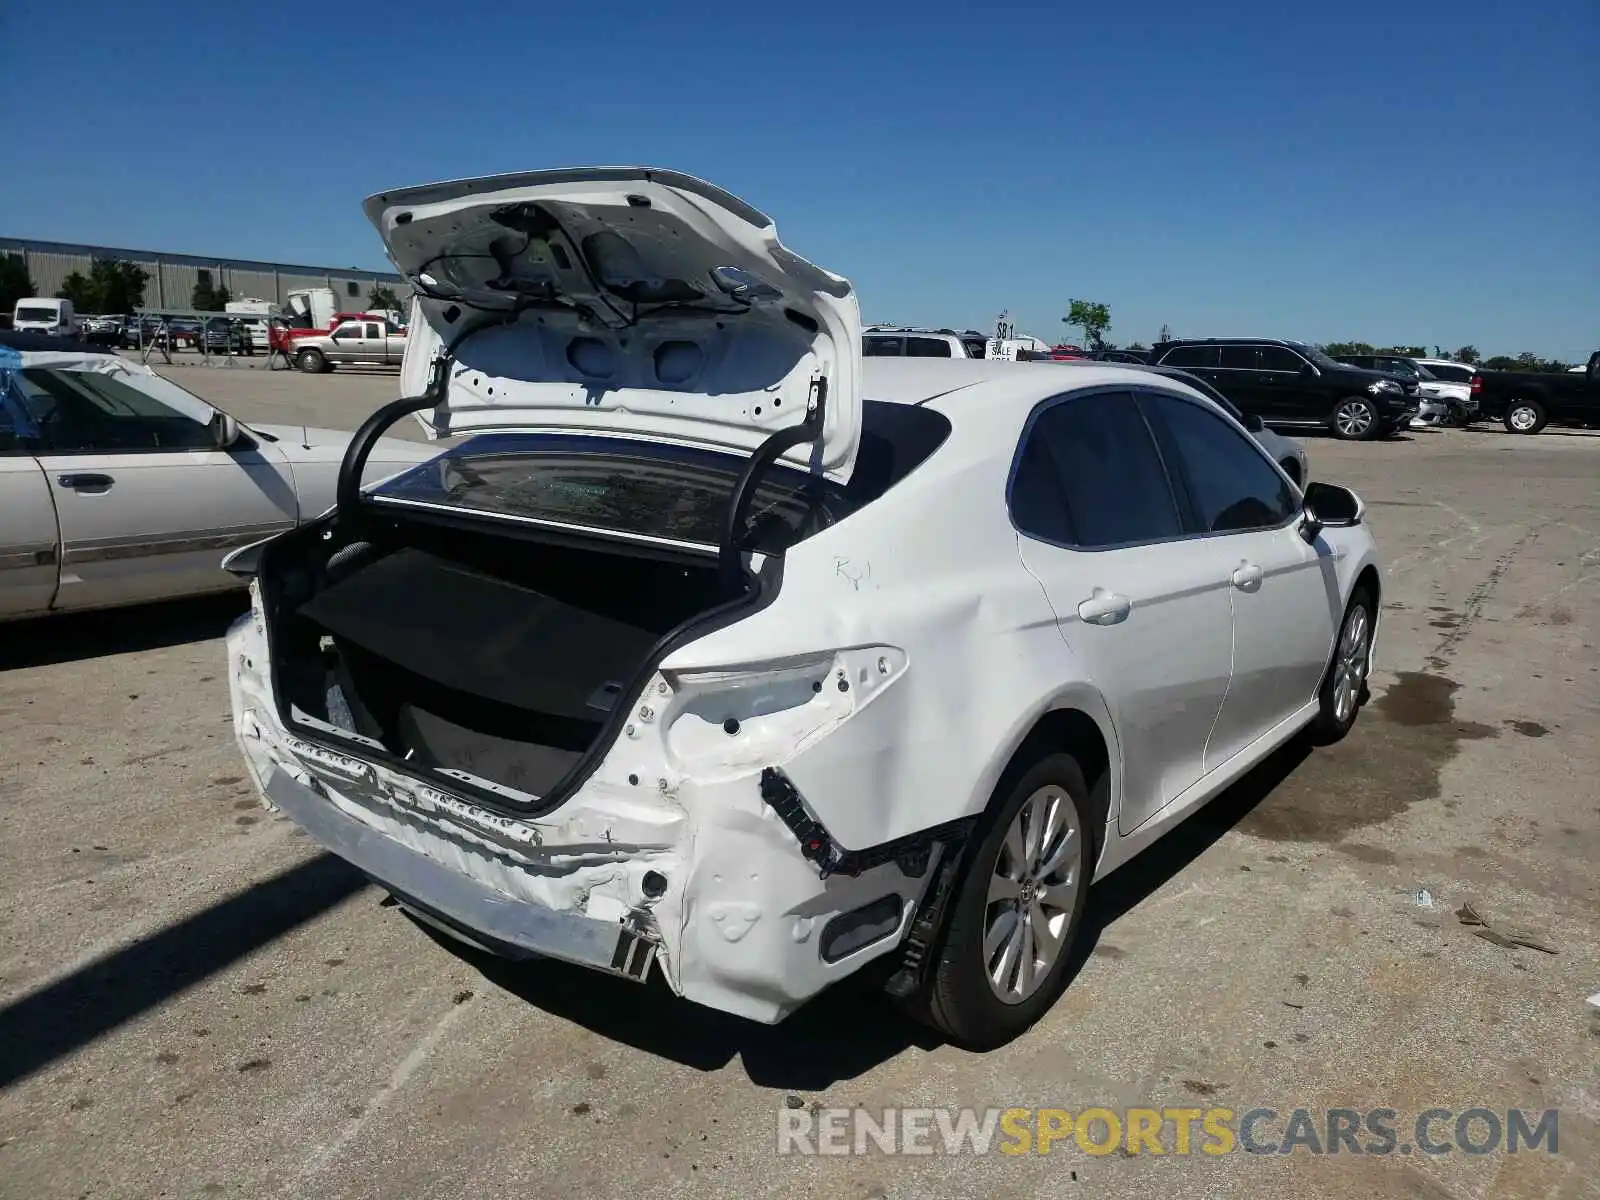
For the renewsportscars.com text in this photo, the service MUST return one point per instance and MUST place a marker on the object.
(1165, 1131)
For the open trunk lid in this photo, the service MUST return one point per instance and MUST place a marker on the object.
(623, 300)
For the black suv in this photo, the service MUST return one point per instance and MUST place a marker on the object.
(1291, 383)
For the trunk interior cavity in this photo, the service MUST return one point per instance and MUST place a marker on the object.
(476, 653)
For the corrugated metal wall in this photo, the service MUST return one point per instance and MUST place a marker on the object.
(50, 269)
(173, 276)
(289, 281)
(251, 285)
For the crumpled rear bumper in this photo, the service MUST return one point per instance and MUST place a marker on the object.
(698, 876)
(464, 906)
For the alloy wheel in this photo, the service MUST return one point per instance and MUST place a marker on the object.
(1032, 895)
(1351, 663)
(1353, 418)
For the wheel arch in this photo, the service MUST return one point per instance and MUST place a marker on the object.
(1074, 722)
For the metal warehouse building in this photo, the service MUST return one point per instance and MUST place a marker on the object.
(173, 276)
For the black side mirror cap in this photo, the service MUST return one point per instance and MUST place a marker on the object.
(1328, 504)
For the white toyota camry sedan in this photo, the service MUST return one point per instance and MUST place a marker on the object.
(118, 487)
(709, 652)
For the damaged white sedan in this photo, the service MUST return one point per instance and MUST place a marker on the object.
(706, 653)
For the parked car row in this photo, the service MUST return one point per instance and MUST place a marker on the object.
(1292, 384)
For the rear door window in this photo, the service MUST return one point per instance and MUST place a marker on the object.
(1241, 358)
(926, 347)
(1191, 356)
(882, 347)
(1088, 475)
(1279, 358)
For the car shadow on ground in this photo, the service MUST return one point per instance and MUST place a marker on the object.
(853, 1026)
(69, 637)
(59, 1018)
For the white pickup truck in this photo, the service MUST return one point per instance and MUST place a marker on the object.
(365, 341)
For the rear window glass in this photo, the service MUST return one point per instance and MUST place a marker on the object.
(652, 490)
(1450, 374)
(924, 347)
(880, 347)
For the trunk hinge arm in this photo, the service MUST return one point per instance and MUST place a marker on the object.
(744, 492)
(348, 493)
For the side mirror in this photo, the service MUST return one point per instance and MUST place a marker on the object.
(1253, 423)
(1307, 369)
(1328, 504)
(225, 431)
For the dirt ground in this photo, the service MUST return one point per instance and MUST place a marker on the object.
(194, 1002)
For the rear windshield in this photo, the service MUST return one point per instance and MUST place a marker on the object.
(36, 314)
(651, 490)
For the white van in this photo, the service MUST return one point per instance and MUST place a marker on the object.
(40, 315)
(256, 315)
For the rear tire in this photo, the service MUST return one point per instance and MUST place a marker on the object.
(1344, 686)
(311, 361)
(1355, 419)
(1525, 415)
(1002, 960)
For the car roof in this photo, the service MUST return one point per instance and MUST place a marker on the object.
(1233, 341)
(955, 382)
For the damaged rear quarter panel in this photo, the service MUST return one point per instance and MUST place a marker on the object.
(928, 570)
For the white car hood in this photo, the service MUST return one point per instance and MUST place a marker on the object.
(627, 301)
(310, 443)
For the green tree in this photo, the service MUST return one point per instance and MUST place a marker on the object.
(1335, 349)
(1139, 347)
(1466, 354)
(1091, 316)
(113, 285)
(204, 295)
(82, 291)
(1501, 362)
(382, 298)
(15, 282)
(1405, 351)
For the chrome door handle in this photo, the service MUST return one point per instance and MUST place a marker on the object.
(1247, 577)
(1105, 608)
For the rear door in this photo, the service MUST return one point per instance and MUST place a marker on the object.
(1143, 607)
(1204, 361)
(146, 504)
(1283, 592)
(1290, 386)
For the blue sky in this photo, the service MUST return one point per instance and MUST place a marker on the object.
(1417, 172)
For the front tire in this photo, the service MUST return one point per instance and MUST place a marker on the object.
(1344, 687)
(1355, 419)
(311, 361)
(1003, 958)
(1525, 416)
